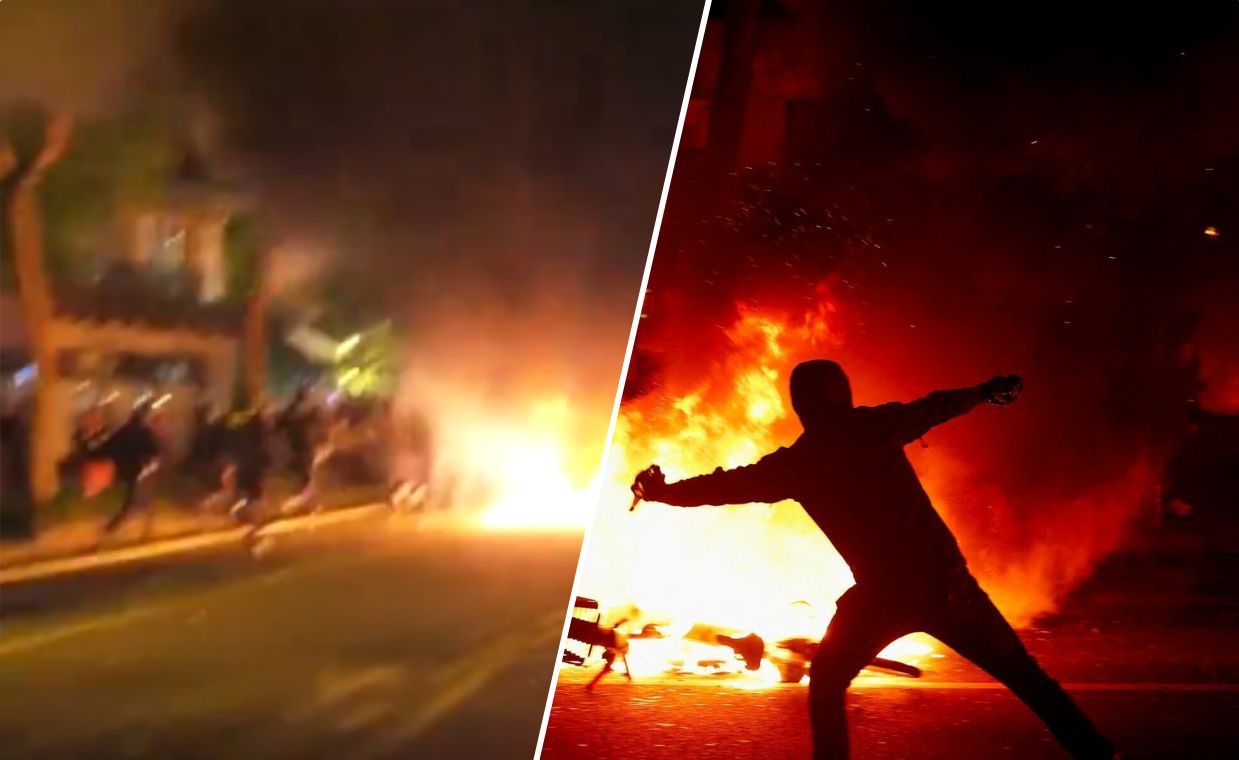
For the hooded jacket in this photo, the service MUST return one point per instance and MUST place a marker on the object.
(850, 473)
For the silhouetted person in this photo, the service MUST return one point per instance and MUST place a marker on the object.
(14, 468)
(409, 441)
(205, 444)
(300, 422)
(247, 450)
(134, 450)
(90, 433)
(86, 460)
(241, 438)
(849, 472)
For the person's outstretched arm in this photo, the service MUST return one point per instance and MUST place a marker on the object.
(907, 422)
(765, 481)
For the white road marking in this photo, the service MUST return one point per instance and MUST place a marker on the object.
(95, 622)
(464, 678)
(114, 620)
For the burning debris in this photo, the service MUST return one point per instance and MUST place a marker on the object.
(584, 628)
(734, 587)
(767, 570)
(790, 657)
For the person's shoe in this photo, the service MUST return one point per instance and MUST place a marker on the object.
(261, 547)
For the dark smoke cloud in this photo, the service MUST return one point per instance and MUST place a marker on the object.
(998, 189)
(506, 153)
(486, 174)
(481, 150)
(83, 55)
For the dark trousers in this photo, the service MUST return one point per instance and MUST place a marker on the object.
(301, 462)
(132, 500)
(957, 613)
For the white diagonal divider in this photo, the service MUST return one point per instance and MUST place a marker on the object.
(596, 488)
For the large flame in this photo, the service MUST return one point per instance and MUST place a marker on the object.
(751, 568)
(523, 459)
(534, 487)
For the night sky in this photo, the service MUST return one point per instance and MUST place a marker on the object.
(1038, 178)
(511, 146)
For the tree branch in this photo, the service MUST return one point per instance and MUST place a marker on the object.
(8, 157)
(55, 140)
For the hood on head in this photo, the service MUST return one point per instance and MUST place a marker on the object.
(820, 390)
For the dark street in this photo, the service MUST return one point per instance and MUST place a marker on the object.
(372, 639)
(1147, 647)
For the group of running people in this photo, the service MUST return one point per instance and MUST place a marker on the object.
(229, 453)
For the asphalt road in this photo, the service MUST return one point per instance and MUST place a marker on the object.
(372, 640)
(1150, 648)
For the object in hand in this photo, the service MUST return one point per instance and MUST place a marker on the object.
(1003, 389)
(652, 475)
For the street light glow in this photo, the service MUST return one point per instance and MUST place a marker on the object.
(347, 345)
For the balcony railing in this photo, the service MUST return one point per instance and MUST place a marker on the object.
(147, 297)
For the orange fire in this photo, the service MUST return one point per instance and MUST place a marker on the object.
(768, 569)
(534, 487)
(752, 568)
(521, 460)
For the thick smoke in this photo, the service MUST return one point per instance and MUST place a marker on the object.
(486, 176)
(461, 153)
(981, 201)
(85, 56)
